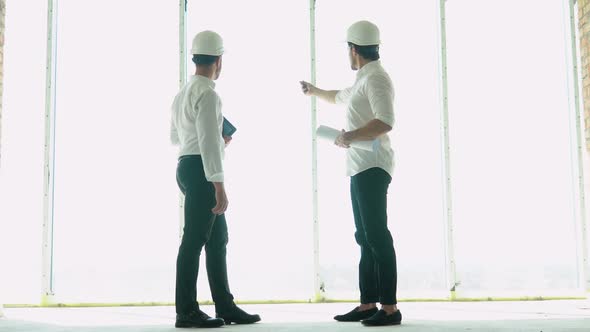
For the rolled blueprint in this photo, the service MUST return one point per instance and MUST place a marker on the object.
(330, 134)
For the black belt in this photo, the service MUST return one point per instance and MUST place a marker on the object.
(189, 156)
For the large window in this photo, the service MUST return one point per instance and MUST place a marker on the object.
(410, 55)
(510, 144)
(268, 164)
(116, 217)
(116, 202)
(21, 168)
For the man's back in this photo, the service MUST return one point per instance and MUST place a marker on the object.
(197, 122)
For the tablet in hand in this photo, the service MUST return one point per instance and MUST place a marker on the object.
(228, 128)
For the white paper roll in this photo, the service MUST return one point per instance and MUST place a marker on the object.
(329, 134)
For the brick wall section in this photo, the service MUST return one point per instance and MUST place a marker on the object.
(584, 33)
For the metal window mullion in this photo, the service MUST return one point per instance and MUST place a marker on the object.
(182, 42)
(451, 273)
(49, 163)
(314, 160)
(181, 83)
(577, 156)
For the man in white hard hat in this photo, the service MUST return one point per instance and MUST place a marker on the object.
(197, 128)
(369, 116)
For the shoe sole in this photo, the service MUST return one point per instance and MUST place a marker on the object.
(388, 324)
(229, 322)
(341, 318)
(190, 325)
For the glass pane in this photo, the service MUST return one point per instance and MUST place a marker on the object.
(510, 141)
(21, 169)
(268, 164)
(409, 53)
(116, 202)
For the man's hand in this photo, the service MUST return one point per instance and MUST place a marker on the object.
(227, 140)
(220, 198)
(308, 88)
(343, 140)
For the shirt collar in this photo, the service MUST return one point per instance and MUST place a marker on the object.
(369, 67)
(203, 79)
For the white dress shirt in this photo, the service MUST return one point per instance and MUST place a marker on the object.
(197, 123)
(371, 97)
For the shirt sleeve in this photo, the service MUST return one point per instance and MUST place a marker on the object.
(174, 134)
(343, 96)
(211, 144)
(173, 131)
(380, 94)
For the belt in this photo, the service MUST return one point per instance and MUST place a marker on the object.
(189, 156)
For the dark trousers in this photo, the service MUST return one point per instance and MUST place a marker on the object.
(202, 228)
(377, 268)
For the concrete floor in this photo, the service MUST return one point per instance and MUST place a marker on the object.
(545, 316)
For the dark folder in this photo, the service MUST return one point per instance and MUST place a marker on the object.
(228, 128)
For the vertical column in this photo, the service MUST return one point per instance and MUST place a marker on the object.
(451, 275)
(584, 35)
(318, 287)
(2, 28)
(182, 41)
(577, 146)
(49, 176)
(181, 81)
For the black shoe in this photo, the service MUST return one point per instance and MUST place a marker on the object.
(355, 315)
(237, 315)
(381, 318)
(197, 319)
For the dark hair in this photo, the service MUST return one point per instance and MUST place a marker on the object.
(204, 60)
(369, 52)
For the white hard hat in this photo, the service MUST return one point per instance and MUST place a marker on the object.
(363, 33)
(207, 43)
